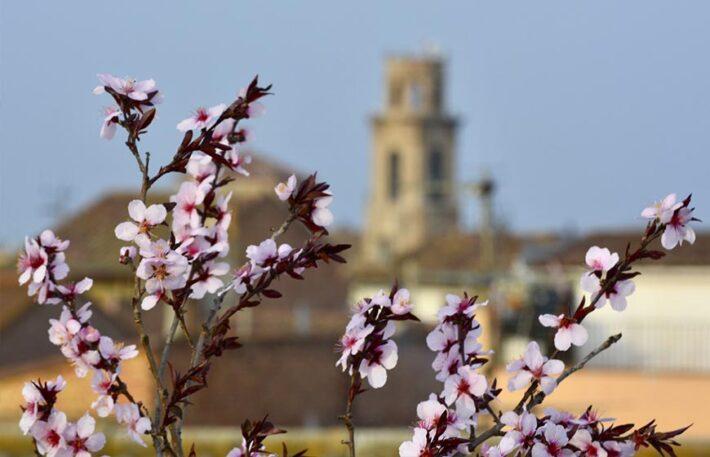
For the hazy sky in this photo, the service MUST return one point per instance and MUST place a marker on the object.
(583, 111)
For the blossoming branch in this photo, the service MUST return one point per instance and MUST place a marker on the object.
(463, 416)
(168, 271)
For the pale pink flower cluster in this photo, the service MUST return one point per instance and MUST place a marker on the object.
(556, 434)
(367, 347)
(458, 357)
(54, 435)
(199, 241)
(321, 215)
(533, 366)
(138, 94)
(676, 216)
(600, 261)
(42, 264)
(83, 345)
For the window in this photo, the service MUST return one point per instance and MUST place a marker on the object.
(393, 178)
(415, 96)
(435, 171)
(436, 166)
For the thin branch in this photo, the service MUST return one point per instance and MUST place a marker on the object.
(347, 418)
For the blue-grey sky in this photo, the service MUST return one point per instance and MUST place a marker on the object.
(584, 111)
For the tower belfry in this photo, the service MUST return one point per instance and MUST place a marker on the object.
(413, 158)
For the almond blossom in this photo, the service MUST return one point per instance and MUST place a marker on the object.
(145, 219)
(207, 279)
(382, 358)
(401, 302)
(534, 366)
(33, 262)
(49, 435)
(114, 353)
(80, 438)
(568, 331)
(202, 118)
(599, 260)
(135, 90)
(521, 436)
(662, 210)
(108, 127)
(187, 200)
(678, 230)
(35, 401)
(136, 425)
(554, 444)
(284, 190)
(322, 216)
(464, 387)
(583, 441)
(617, 294)
(417, 447)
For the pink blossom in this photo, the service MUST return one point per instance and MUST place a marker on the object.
(188, 198)
(534, 366)
(108, 126)
(255, 109)
(322, 216)
(267, 253)
(522, 433)
(114, 353)
(417, 447)
(146, 219)
(555, 442)
(429, 412)
(202, 118)
(617, 449)
(102, 383)
(601, 259)
(354, 338)
(35, 401)
(284, 190)
(127, 254)
(201, 167)
(464, 387)
(222, 131)
(135, 90)
(237, 161)
(136, 425)
(374, 369)
(568, 331)
(81, 439)
(73, 290)
(163, 270)
(617, 295)
(401, 303)
(582, 440)
(62, 331)
(33, 262)
(50, 435)
(456, 305)
(662, 210)
(677, 230)
(207, 280)
(242, 278)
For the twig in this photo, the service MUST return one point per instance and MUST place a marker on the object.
(347, 418)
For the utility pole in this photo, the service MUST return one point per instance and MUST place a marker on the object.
(484, 190)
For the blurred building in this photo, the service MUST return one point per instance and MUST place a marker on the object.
(412, 233)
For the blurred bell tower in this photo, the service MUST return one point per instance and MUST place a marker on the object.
(412, 194)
